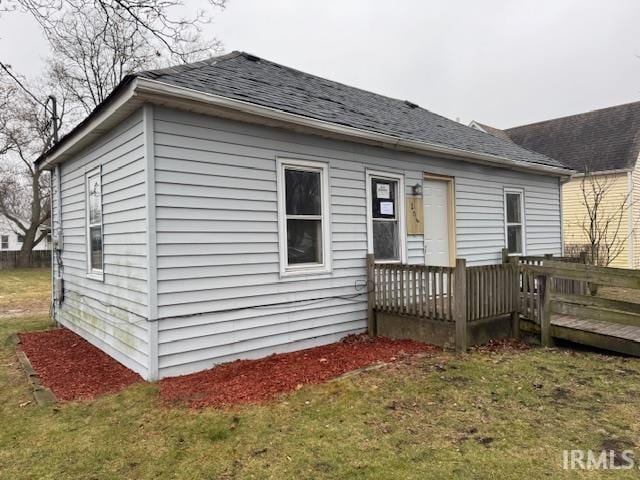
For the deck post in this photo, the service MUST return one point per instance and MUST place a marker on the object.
(371, 296)
(515, 308)
(460, 304)
(546, 282)
(505, 255)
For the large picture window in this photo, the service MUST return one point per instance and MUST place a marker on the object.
(94, 222)
(514, 221)
(386, 217)
(304, 239)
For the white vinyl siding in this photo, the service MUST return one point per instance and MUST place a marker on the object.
(112, 313)
(220, 292)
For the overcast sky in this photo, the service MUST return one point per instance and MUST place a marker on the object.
(502, 62)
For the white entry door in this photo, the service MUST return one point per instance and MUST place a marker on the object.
(436, 222)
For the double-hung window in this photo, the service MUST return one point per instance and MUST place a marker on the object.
(386, 216)
(5, 242)
(304, 217)
(94, 222)
(514, 228)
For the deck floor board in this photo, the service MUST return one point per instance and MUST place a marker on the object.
(628, 332)
(610, 336)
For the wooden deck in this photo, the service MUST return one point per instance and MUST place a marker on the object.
(610, 336)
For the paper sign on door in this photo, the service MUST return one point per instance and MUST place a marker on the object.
(386, 208)
(383, 190)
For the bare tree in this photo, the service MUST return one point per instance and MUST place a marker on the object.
(605, 223)
(26, 133)
(154, 19)
(95, 44)
(94, 52)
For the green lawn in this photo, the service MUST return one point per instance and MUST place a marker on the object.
(484, 415)
(24, 291)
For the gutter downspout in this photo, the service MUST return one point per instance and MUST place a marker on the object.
(59, 243)
(52, 305)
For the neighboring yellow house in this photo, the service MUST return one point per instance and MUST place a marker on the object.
(604, 144)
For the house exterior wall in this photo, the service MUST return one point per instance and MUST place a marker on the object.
(112, 313)
(220, 294)
(575, 213)
(634, 221)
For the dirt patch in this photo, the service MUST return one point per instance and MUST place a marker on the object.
(617, 446)
(486, 441)
(73, 368)
(254, 381)
(503, 345)
(24, 307)
(560, 394)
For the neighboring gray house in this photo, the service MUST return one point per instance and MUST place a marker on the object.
(224, 209)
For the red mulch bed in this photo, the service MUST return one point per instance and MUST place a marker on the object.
(254, 381)
(73, 368)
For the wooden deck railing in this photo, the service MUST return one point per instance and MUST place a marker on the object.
(457, 294)
(581, 302)
(531, 288)
(491, 291)
(417, 290)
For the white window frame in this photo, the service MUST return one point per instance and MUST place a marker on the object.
(523, 223)
(400, 208)
(2, 237)
(325, 267)
(94, 273)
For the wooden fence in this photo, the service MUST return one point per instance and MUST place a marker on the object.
(17, 259)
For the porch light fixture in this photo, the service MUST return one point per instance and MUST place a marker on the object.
(417, 189)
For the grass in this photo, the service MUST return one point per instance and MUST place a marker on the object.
(24, 290)
(484, 415)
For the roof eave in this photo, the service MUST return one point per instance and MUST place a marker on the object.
(154, 87)
(120, 103)
(146, 90)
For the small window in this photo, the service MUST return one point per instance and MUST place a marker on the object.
(386, 237)
(514, 221)
(304, 220)
(4, 239)
(20, 238)
(94, 222)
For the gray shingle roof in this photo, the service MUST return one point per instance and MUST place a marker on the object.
(496, 132)
(600, 140)
(242, 76)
